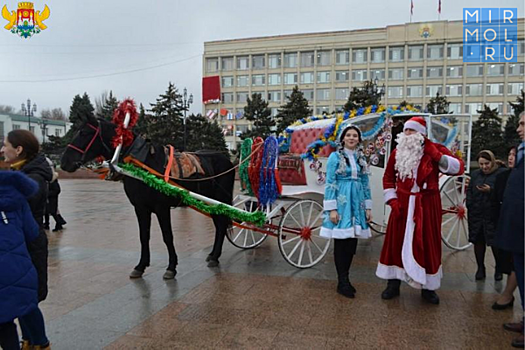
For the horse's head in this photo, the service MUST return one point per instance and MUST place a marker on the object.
(91, 141)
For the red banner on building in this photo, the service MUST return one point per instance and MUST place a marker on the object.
(211, 90)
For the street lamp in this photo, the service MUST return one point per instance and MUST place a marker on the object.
(29, 112)
(374, 90)
(186, 102)
(43, 126)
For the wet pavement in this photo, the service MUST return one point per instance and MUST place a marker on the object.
(255, 299)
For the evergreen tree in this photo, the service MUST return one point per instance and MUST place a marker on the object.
(141, 128)
(204, 134)
(80, 108)
(108, 107)
(165, 124)
(511, 135)
(438, 105)
(294, 109)
(257, 111)
(363, 96)
(487, 133)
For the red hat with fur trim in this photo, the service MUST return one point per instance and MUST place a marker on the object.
(416, 123)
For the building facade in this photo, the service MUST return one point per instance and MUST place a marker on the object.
(414, 61)
(42, 128)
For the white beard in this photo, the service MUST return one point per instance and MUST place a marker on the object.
(408, 154)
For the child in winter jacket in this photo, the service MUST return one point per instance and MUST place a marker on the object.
(18, 277)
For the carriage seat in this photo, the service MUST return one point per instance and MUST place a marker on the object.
(303, 137)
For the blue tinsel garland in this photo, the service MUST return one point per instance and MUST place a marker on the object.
(268, 190)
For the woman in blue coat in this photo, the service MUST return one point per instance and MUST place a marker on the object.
(18, 277)
(347, 204)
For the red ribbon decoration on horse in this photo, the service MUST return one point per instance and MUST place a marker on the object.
(124, 134)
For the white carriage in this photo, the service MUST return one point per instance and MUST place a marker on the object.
(295, 218)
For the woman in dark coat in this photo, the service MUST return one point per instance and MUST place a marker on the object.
(21, 151)
(18, 279)
(504, 263)
(480, 225)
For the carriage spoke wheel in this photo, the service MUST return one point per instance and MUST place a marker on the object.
(299, 237)
(454, 224)
(243, 237)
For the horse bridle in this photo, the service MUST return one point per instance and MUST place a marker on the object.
(98, 132)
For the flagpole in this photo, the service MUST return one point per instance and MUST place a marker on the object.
(411, 9)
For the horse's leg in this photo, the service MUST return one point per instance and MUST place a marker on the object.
(163, 213)
(144, 218)
(221, 225)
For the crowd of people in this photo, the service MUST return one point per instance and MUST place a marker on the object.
(411, 250)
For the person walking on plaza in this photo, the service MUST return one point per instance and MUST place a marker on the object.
(21, 151)
(412, 247)
(480, 225)
(18, 278)
(347, 204)
(52, 202)
(510, 230)
(504, 263)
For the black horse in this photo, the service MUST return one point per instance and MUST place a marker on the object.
(94, 140)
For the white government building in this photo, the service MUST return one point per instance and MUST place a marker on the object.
(42, 128)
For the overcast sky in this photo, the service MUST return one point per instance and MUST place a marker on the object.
(134, 48)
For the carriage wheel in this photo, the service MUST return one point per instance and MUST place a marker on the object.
(454, 224)
(245, 238)
(299, 239)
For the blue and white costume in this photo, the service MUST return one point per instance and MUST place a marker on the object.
(347, 190)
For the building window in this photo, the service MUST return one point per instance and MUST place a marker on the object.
(274, 61)
(341, 76)
(239, 129)
(415, 73)
(434, 72)
(415, 91)
(212, 64)
(415, 53)
(341, 93)
(359, 55)
(455, 51)
(377, 55)
(323, 94)
(474, 70)
(258, 80)
(243, 62)
(323, 77)
(521, 47)
(274, 96)
(496, 105)
(290, 60)
(274, 111)
(322, 110)
(494, 89)
(455, 72)
(359, 75)
(242, 80)
(290, 78)
(377, 73)
(242, 97)
(472, 108)
(435, 52)
(515, 88)
(474, 90)
(396, 54)
(454, 107)
(258, 62)
(307, 78)
(342, 57)
(274, 79)
(396, 74)
(308, 94)
(227, 81)
(307, 59)
(516, 69)
(496, 70)
(433, 90)
(32, 129)
(395, 92)
(16, 127)
(227, 63)
(227, 97)
(324, 58)
(454, 90)
(58, 132)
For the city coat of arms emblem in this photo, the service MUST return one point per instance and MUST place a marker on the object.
(25, 22)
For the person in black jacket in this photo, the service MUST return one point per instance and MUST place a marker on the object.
(52, 202)
(504, 263)
(480, 226)
(21, 151)
(510, 231)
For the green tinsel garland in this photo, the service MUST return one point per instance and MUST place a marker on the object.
(246, 150)
(257, 217)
